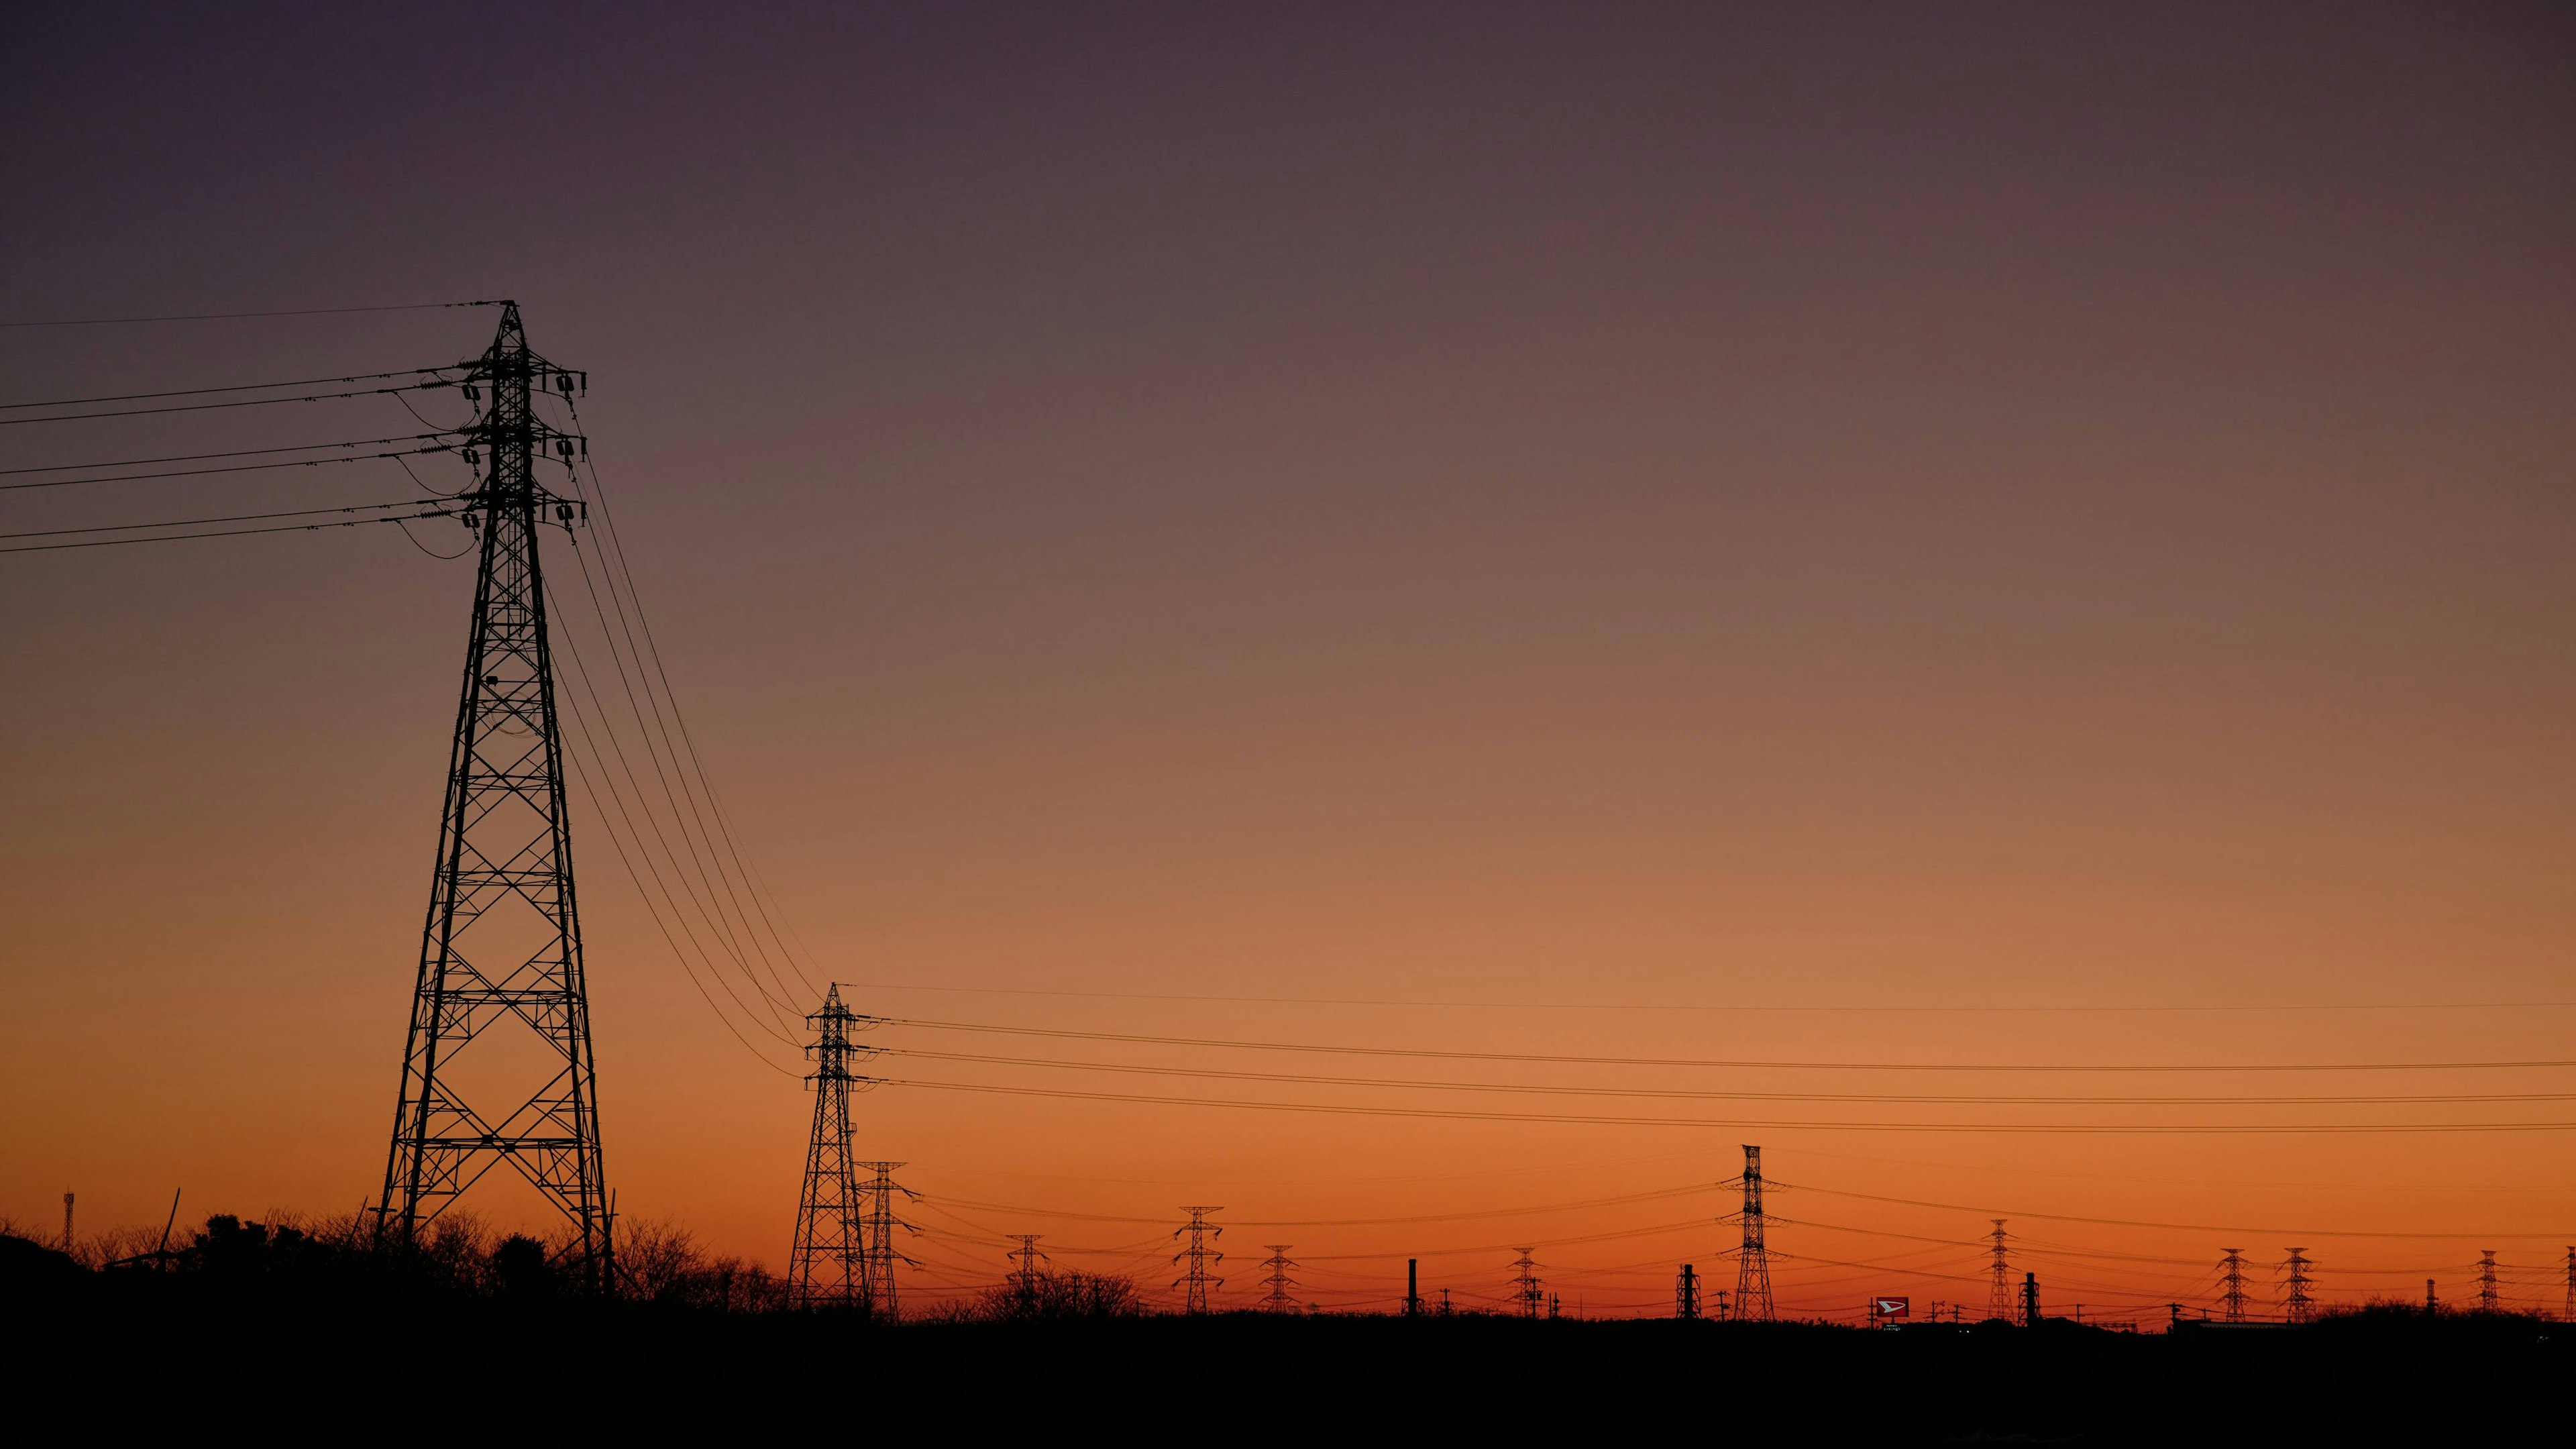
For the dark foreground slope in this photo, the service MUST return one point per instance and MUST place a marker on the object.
(102, 1353)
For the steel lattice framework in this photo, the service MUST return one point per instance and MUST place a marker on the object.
(1195, 1280)
(826, 1266)
(876, 1258)
(1279, 1299)
(1753, 1258)
(500, 959)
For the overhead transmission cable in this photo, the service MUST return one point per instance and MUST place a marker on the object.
(1068, 1033)
(774, 1025)
(1462, 1114)
(709, 907)
(228, 533)
(254, 402)
(652, 650)
(67, 402)
(233, 453)
(239, 316)
(237, 468)
(1714, 1094)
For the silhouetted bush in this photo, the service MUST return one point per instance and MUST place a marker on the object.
(1068, 1294)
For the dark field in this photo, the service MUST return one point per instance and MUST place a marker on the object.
(191, 1353)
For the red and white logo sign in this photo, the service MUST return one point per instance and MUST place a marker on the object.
(1892, 1307)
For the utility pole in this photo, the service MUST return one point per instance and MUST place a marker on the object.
(877, 1255)
(824, 1263)
(2569, 1312)
(1686, 1293)
(67, 1222)
(1525, 1285)
(2030, 1300)
(1194, 1280)
(1999, 1299)
(1025, 1273)
(1278, 1299)
(2232, 1287)
(2301, 1307)
(2486, 1282)
(500, 954)
(1753, 1258)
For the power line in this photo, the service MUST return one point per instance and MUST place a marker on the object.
(226, 533)
(235, 453)
(1440, 1055)
(1730, 1124)
(234, 468)
(65, 402)
(616, 552)
(2142, 1223)
(255, 402)
(1739, 1006)
(1709, 1094)
(234, 316)
(227, 518)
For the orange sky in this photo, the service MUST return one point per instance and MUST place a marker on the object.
(2000, 518)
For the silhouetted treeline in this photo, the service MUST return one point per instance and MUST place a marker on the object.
(296, 1329)
(457, 1256)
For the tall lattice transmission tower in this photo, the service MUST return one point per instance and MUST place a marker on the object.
(2231, 1283)
(1199, 1256)
(1686, 1292)
(1753, 1259)
(826, 1265)
(1278, 1299)
(1526, 1286)
(1026, 1274)
(2487, 1302)
(877, 1255)
(498, 1067)
(1999, 1299)
(2301, 1304)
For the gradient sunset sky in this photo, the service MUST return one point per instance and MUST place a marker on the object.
(1863, 533)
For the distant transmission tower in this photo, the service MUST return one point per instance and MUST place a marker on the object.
(1753, 1259)
(1279, 1299)
(2301, 1307)
(1999, 1299)
(876, 1257)
(2232, 1287)
(1526, 1289)
(2569, 1312)
(1686, 1292)
(1194, 1280)
(500, 955)
(1025, 1272)
(2487, 1282)
(825, 1263)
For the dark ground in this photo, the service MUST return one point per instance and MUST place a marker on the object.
(126, 1352)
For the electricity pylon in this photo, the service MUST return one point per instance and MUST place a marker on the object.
(2487, 1282)
(2569, 1312)
(1525, 1285)
(1025, 1273)
(1686, 1292)
(825, 1265)
(2301, 1305)
(500, 955)
(1999, 1299)
(876, 1257)
(2231, 1296)
(1278, 1299)
(1753, 1259)
(1194, 1281)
